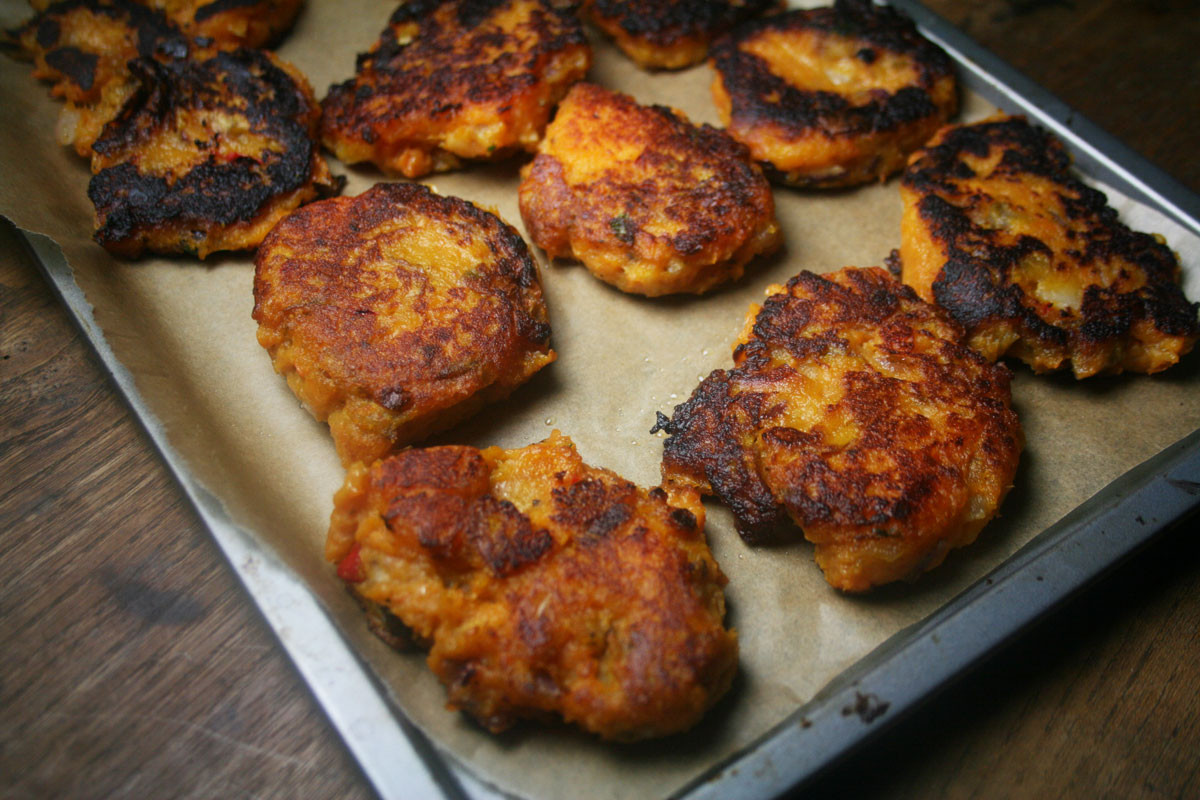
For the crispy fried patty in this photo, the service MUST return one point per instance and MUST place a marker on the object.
(670, 34)
(1032, 262)
(544, 587)
(647, 201)
(832, 96)
(224, 23)
(455, 79)
(80, 46)
(398, 312)
(208, 154)
(853, 410)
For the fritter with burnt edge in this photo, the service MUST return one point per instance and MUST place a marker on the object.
(832, 96)
(208, 154)
(853, 410)
(398, 312)
(647, 201)
(225, 23)
(455, 79)
(80, 46)
(671, 34)
(83, 47)
(544, 587)
(236, 23)
(1032, 262)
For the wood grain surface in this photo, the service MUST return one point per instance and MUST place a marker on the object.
(133, 665)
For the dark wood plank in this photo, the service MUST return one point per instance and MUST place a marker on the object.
(133, 664)
(1130, 66)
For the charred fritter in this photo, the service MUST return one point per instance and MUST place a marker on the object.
(832, 96)
(398, 312)
(81, 124)
(455, 79)
(671, 34)
(80, 46)
(543, 586)
(853, 410)
(237, 23)
(224, 23)
(1032, 262)
(208, 154)
(647, 201)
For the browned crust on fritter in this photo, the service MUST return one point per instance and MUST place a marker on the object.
(672, 34)
(398, 312)
(80, 46)
(824, 138)
(455, 79)
(854, 411)
(233, 23)
(994, 219)
(208, 154)
(543, 586)
(647, 201)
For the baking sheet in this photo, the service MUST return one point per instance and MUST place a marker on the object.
(182, 331)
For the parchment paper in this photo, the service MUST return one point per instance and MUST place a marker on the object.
(184, 331)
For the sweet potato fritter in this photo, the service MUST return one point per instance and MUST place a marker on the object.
(398, 312)
(670, 34)
(854, 410)
(234, 23)
(647, 201)
(208, 154)
(455, 79)
(1032, 262)
(224, 23)
(832, 96)
(544, 586)
(80, 46)
(83, 47)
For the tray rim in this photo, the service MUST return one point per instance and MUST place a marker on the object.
(903, 673)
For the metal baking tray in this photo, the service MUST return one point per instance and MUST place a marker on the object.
(864, 700)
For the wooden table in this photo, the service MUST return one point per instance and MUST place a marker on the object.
(132, 664)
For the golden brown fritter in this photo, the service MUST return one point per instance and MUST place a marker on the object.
(544, 587)
(80, 46)
(208, 154)
(832, 96)
(647, 201)
(455, 79)
(854, 410)
(1032, 262)
(670, 34)
(398, 312)
(224, 23)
